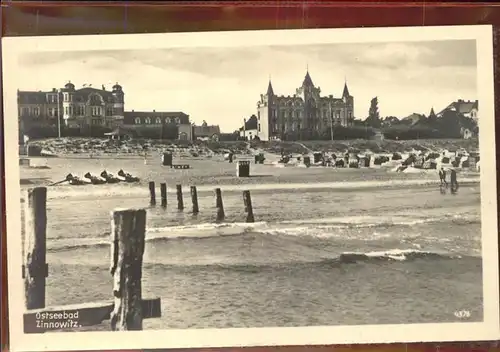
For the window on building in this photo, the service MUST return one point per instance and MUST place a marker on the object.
(259, 127)
(137, 120)
(177, 120)
(71, 97)
(36, 111)
(96, 111)
(51, 98)
(148, 120)
(109, 111)
(158, 120)
(66, 110)
(66, 97)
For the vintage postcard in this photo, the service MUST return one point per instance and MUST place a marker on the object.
(251, 188)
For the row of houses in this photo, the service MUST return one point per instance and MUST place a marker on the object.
(89, 111)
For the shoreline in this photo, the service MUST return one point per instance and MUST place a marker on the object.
(60, 192)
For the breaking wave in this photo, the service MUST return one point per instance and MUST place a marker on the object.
(346, 258)
(324, 228)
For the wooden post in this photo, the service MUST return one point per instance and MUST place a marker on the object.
(35, 269)
(163, 191)
(248, 206)
(219, 205)
(152, 193)
(128, 231)
(194, 199)
(180, 201)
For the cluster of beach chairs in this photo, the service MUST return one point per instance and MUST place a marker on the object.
(417, 160)
(104, 178)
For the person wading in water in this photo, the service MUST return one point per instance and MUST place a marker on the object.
(442, 177)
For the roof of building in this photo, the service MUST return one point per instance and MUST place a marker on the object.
(29, 97)
(307, 80)
(79, 95)
(129, 116)
(206, 131)
(250, 124)
(413, 119)
(270, 90)
(461, 106)
(345, 92)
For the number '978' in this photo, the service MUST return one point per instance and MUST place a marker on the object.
(462, 314)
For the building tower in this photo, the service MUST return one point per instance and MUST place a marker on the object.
(349, 106)
(68, 93)
(118, 104)
(266, 114)
(311, 97)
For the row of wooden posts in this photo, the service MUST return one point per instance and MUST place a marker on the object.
(247, 200)
(127, 309)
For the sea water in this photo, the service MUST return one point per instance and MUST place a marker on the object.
(319, 255)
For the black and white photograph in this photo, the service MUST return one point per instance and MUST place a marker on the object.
(251, 188)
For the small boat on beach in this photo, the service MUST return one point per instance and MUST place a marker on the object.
(109, 177)
(95, 180)
(75, 180)
(125, 176)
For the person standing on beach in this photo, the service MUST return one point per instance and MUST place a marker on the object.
(453, 180)
(442, 177)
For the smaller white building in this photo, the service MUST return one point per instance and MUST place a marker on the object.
(250, 130)
(249, 134)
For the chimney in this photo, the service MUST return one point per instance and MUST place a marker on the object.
(154, 110)
(54, 90)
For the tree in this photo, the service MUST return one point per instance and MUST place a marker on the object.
(390, 121)
(373, 118)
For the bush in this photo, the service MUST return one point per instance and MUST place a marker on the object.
(403, 132)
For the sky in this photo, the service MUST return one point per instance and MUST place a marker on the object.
(222, 85)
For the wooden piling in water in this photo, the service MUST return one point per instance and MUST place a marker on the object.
(35, 269)
(247, 200)
(128, 230)
(163, 191)
(219, 205)
(180, 201)
(152, 193)
(194, 200)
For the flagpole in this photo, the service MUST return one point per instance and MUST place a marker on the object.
(58, 115)
(331, 121)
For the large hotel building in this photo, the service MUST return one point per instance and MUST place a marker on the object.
(78, 111)
(306, 110)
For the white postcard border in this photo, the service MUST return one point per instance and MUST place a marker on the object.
(487, 330)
